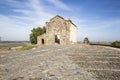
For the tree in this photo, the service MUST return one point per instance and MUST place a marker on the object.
(86, 41)
(116, 44)
(36, 32)
(44, 29)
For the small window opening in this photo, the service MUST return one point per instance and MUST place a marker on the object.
(57, 39)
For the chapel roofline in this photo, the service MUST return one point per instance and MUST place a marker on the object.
(57, 16)
(71, 22)
(63, 19)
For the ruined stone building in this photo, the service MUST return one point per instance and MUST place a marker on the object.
(58, 31)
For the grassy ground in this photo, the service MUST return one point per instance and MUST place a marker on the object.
(27, 47)
(5, 48)
(15, 46)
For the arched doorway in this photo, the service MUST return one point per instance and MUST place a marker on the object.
(43, 41)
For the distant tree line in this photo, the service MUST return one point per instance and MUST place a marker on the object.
(114, 44)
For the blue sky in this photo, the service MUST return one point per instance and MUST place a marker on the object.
(99, 20)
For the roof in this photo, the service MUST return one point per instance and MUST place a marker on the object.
(63, 19)
(56, 17)
(71, 22)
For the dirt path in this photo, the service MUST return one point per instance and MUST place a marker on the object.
(70, 62)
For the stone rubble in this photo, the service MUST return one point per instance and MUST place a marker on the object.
(61, 62)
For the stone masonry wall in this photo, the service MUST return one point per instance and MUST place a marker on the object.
(57, 26)
(39, 39)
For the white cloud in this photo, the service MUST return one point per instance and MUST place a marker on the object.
(18, 27)
(97, 30)
(13, 30)
(33, 13)
(13, 3)
(60, 4)
(97, 24)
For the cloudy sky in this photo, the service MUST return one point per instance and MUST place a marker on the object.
(99, 20)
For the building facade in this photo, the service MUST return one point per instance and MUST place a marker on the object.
(58, 31)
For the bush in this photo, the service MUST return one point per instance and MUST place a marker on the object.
(27, 47)
(116, 44)
(86, 41)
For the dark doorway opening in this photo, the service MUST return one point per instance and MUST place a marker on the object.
(57, 40)
(42, 41)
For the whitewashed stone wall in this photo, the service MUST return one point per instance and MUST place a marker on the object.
(73, 33)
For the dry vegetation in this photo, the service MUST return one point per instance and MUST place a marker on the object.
(8, 46)
(15, 46)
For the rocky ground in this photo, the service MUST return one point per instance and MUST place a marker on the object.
(61, 62)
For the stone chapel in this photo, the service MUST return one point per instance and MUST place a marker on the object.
(58, 31)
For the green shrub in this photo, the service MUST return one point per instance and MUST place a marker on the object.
(36, 32)
(86, 41)
(116, 44)
(27, 47)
